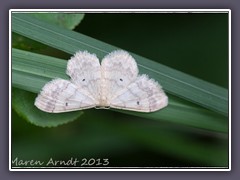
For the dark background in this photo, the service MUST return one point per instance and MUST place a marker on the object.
(194, 43)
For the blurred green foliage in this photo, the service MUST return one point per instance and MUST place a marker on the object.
(193, 43)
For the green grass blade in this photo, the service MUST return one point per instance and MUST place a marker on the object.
(31, 71)
(175, 82)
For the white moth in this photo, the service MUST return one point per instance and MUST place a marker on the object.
(115, 83)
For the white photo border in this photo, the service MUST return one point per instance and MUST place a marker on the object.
(120, 11)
